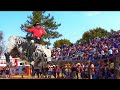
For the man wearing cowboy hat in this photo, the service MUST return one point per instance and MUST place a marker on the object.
(37, 31)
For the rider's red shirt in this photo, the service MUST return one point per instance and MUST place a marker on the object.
(37, 32)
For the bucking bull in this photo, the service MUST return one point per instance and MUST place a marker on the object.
(20, 47)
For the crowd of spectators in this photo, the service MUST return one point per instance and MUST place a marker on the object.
(82, 70)
(95, 49)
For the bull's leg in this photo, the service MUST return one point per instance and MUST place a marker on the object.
(42, 76)
(38, 73)
(46, 76)
(33, 74)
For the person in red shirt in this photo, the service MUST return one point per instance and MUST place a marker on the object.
(37, 32)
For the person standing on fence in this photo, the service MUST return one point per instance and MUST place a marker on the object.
(73, 71)
(82, 73)
(78, 70)
(54, 71)
(106, 69)
(62, 71)
(89, 70)
(58, 71)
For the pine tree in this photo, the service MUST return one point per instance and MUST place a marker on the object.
(47, 22)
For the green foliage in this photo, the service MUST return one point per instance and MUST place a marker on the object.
(112, 31)
(92, 33)
(46, 21)
(61, 42)
(80, 40)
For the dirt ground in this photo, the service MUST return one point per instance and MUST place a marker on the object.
(28, 77)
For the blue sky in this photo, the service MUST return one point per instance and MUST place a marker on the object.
(73, 23)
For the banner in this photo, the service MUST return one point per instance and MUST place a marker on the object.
(20, 70)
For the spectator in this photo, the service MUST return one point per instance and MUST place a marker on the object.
(58, 71)
(50, 70)
(110, 52)
(54, 71)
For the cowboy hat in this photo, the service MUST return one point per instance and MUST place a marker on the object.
(36, 24)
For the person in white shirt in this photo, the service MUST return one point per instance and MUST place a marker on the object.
(110, 52)
(116, 51)
(103, 54)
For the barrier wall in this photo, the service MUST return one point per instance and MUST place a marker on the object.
(15, 66)
(13, 62)
(19, 71)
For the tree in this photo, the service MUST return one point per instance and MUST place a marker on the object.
(92, 33)
(80, 40)
(61, 42)
(112, 31)
(46, 21)
(1, 43)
